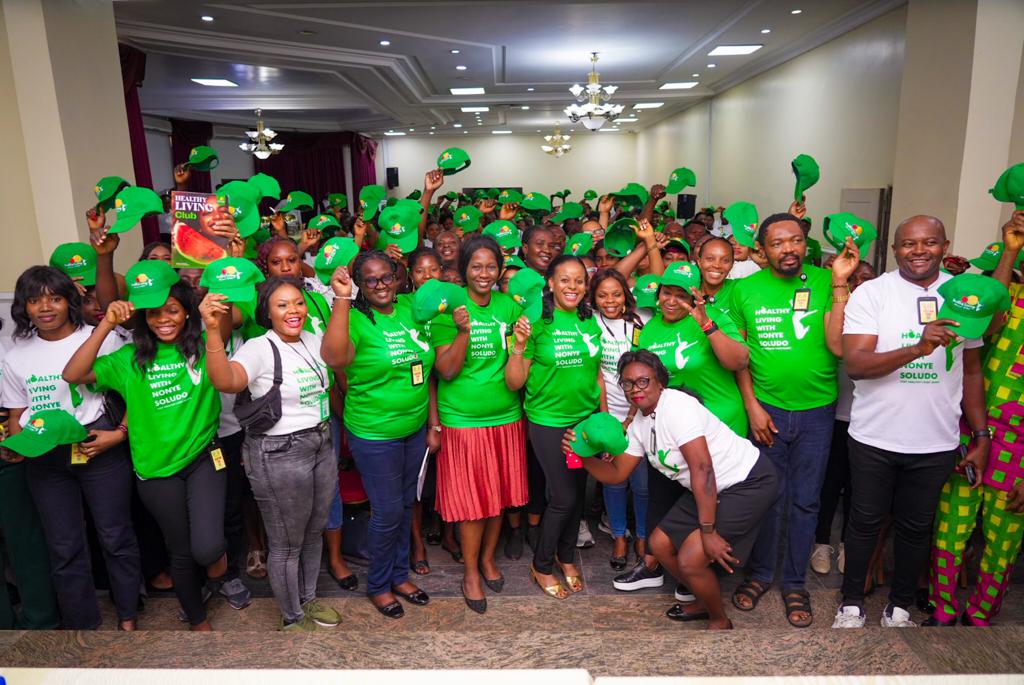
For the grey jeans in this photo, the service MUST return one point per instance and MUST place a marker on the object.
(293, 479)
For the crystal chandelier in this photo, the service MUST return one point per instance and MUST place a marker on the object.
(594, 108)
(260, 144)
(556, 144)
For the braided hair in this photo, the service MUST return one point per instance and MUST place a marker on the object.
(267, 247)
(361, 303)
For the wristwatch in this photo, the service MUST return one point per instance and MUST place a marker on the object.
(707, 528)
(985, 433)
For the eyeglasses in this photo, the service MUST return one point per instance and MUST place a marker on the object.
(639, 383)
(372, 282)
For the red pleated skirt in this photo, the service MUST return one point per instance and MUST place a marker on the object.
(481, 471)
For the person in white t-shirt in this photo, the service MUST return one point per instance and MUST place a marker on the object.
(730, 487)
(743, 264)
(291, 466)
(904, 432)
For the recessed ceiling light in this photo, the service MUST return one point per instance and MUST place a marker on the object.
(385, 43)
(795, 11)
(457, 125)
(412, 129)
(712, 66)
(722, 50)
(461, 67)
(306, 32)
(525, 107)
(626, 120)
(647, 105)
(538, 130)
(695, 75)
(431, 133)
(215, 82)
(502, 133)
(680, 85)
(479, 123)
(475, 90)
(433, 127)
(206, 17)
(395, 133)
(476, 109)
(608, 130)
(455, 51)
(529, 90)
(766, 30)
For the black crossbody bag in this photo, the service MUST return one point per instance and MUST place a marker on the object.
(259, 415)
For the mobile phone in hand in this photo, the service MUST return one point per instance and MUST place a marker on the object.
(971, 474)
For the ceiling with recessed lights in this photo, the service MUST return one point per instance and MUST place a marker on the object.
(482, 66)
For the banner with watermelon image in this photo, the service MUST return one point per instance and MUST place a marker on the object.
(193, 243)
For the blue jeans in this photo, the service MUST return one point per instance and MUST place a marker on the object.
(615, 503)
(334, 514)
(389, 469)
(800, 455)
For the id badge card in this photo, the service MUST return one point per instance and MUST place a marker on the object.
(218, 459)
(324, 407)
(78, 458)
(636, 337)
(927, 309)
(417, 374)
(802, 300)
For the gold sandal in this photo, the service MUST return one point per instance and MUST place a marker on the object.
(557, 590)
(575, 583)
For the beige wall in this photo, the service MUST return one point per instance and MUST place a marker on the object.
(602, 161)
(681, 141)
(1017, 136)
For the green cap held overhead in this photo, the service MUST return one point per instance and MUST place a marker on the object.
(684, 275)
(505, 233)
(526, 288)
(838, 227)
(369, 200)
(645, 291)
(742, 218)
(972, 300)
(266, 185)
(235, 277)
(335, 252)
(679, 179)
(620, 238)
(414, 195)
(589, 195)
(634, 193)
(467, 218)
(597, 434)
(805, 168)
(453, 160)
(132, 205)
(509, 196)
(46, 430)
(1010, 186)
(337, 200)
(437, 297)
(149, 283)
(536, 202)
(297, 199)
(400, 226)
(579, 244)
(325, 223)
(240, 199)
(569, 210)
(988, 260)
(106, 190)
(76, 260)
(203, 158)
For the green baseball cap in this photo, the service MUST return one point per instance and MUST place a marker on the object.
(636, 191)
(685, 275)
(972, 300)
(679, 179)
(838, 227)
(297, 199)
(335, 252)
(133, 204)
(569, 210)
(235, 277)
(620, 237)
(451, 195)
(149, 283)
(493, 193)
(590, 195)
(677, 242)
(579, 244)
(369, 200)
(645, 290)
(467, 218)
(400, 226)
(266, 185)
(742, 218)
(337, 200)
(414, 195)
(241, 198)
(988, 260)
(513, 262)
(536, 202)
(325, 223)
(813, 251)
(505, 233)
(805, 168)
(1010, 186)
(76, 260)
(527, 289)
(106, 190)
(45, 431)
(437, 297)
(509, 196)
(599, 433)
(479, 194)
(203, 157)
(453, 160)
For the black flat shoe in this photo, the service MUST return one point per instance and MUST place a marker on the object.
(456, 553)
(497, 584)
(477, 605)
(678, 613)
(617, 563)
(419, 598)
(393, 610)
(514, 544)
(349, 582)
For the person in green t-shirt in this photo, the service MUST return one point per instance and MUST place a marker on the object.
(558, 360)
(791, 315)
(173, 412)
(715, 260)
(481, 468)
(386, 355)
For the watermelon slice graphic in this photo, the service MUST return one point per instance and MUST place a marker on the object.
(192, 246)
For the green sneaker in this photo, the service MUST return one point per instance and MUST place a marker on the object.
(303, 625)
(321, 613)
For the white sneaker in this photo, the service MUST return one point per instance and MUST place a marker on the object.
(821, 559)
(894, 617)
(841, 559)
(849, 617)
(583, 537)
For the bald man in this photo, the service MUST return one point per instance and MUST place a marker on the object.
(904, 435)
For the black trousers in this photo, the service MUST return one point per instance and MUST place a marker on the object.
(565, 490)
(662, 494)
(836, 485)
(238, 490)
(908, 485)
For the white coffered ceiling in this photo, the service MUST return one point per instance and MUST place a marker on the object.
(320, 65)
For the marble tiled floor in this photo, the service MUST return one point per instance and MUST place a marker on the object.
(600, 629)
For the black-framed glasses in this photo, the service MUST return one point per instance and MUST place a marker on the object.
(639, 383)
(372, 282)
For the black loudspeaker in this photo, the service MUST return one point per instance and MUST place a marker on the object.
(686, 206)
(392, 177)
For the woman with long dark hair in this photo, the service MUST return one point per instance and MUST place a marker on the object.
(174, 410)
(386, 356)
(558, 360)
(47, 311)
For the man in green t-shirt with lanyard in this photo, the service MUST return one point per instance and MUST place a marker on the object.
(791, 315)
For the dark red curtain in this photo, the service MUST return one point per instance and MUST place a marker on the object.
(185, 135)
(313, 162)
(364, 158)
(133, 72)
